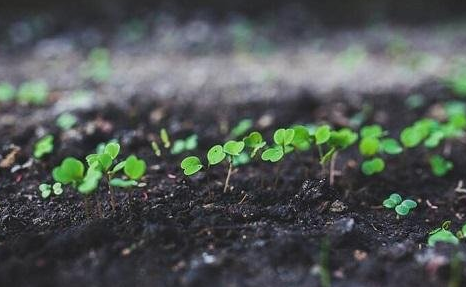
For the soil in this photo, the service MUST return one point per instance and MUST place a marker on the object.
(179, 231)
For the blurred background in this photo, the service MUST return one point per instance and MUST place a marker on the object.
(233, 51)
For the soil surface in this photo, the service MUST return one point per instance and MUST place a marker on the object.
(179, 231)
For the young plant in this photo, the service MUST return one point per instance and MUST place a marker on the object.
(442, 234)
(66, 121)
(47, 190)
(439, 165)
(232, 149)
(241, 128)
(283, 138)
(254, 142)
(191, 165)
(134, 169)
(43, 146)
(35, 92)
(188, 144)
(7, 92)
(402, 207)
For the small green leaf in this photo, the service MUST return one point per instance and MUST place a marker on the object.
(57, 188)
(43, 146)
(71, 170)
(191, 165)
(302, 138)
(215, 155)
(233, 148)
(7, 92)
(322, 134)
(91, 181)
(112, 149)
(190, 142)
(411, 137)
(134, 168)
(35, 92)
(241, 128)
(118, 167)
(283, 137)
(66, 121)
(374, 131)
(255, 141)
(410, 204)
(373, 166)
(395, 197)
(242, 159)
(391, 146)
(155, 147)
(178, 147)
(369, 146)
(273, 154)
(440, 166)
(388, 203)
(45, 190)
(165, 138)
(342, 138)
(442, 235)
(402, 210)
(434, 139)
(118, 182)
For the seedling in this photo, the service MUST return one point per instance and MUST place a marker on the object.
(188, 144)
(165, 138)
(232, 149)
(35, 92)
(155, 147)
(402, 207)
(46, 189)
(283, 138)
(97, 67)
(134, 169)
(7, 92)
(373, 166)
(43, 146)
(191, 165)
(70, 171)
(66, 121)
(241, 128)
(440, 166)
(442, 234)
(254, 142)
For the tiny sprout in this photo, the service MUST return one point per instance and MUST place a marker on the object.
(372, 131)
(165, 138)
(180, 146)
(283, 139)
(90, 182)
(215, 155)
(402, 207)
(302, 138)
(369, 146)
(273, 154)
(242, 159)
(134, 168)
(71, 171)
(241, 128)
(118, 182)
(233, 148)
(442, 234)
(255, 142)
(373, 166)
(43, 146)
(35, 92)
(440, 166)
(191, 165)
(7, 92)
(66, 121)
(155, 147)
(391, 146)
(46, 189)
(322, 134)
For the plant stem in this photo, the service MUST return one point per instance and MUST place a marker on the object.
(112, 194)
(332, 168)
(227, 181)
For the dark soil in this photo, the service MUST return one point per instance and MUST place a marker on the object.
(180, 231)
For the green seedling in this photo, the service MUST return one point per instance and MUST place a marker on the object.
(35, 92)
(70, 171)
(43, 146)
(402, 207)
(242, 159)
(254, 142)
(7, 92)
(440, 166)
(232, 149)
(191, 165)
(155, 147)
(188, 144)
(413, 135)
(66, 121)
(97, 66)
(442, 234)
(241, 128)
(134, 168)
(165, 138)
(302, 138)
(215, 155)
(283, 138)
(46, 189)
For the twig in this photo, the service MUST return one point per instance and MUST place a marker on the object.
(227, 181)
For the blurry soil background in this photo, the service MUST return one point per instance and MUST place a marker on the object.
(201, 70)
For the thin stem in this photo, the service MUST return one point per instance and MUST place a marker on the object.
(112, 194)
(321, 155)
(332, 168)
(227, 181)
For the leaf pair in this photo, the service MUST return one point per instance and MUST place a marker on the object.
(180, 145)
(43, 146)
(283, 138)
(402, 207)
(46, 189)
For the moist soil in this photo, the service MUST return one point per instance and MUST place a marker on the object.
(179, 231)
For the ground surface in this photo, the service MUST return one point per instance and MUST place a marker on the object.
(191, 78)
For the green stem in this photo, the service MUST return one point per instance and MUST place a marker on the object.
(227, 181)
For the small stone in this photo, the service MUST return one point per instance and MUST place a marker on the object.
(338, 206)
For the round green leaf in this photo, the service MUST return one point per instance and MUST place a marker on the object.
(283, 137)
(322, 134)
(410, 137)
(388, 203)
(134, 167)
(57, 188)
(191, 165)
(302, 138)
(70, 170)
(373, 166)
(273, 154)
(402, 210)
(391, 146)
(395, 197)
(374, 131)
(410, 204)
(444, 236)
(112, 149)
(233, 148)
(118, 182)
(215, 155)
(45, 190)
(369, 146)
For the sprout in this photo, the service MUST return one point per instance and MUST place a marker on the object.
(7, 92)
(373, 166)
(165, 138)
(302, 138)
(46, 189)
(35, 92)
(66, 121)
(322, 134)
(283, 138)
(439, 165)
(391, 146)
(43, 146)
(241, 128)
(134, 168)
(369, 146)
(402, 207)
(442, 234)
(372, 131)
(180, 146)
(215, 155)
(255, 142)
(70, 171)
(191, 165)
(155, 147)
